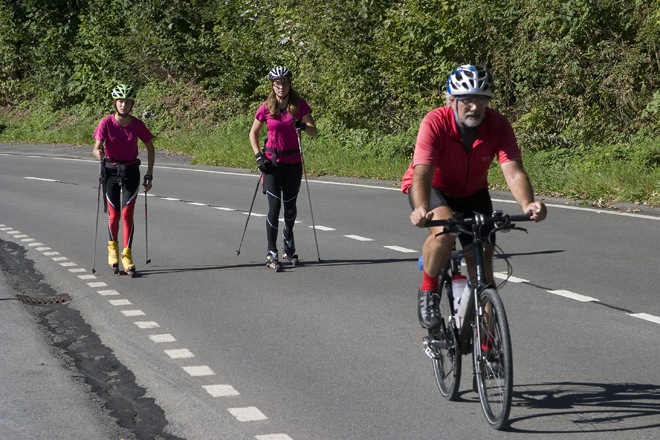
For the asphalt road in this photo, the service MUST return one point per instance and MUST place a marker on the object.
(227, 349)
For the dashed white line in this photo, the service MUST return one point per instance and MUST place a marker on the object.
(36, 243)
(21, 236)
(573, 295)
(323, 228)
(170, 199)
(120, 302)
(247, 414)
(512, 279)
(147, 324)
(162, 338)
(41, 179)
(68, 264)
(221, 208)
(60, 259)
(179, 353)
(197, 204)
(401, 249)
(133, 313)
(50, 254)
(107, 292)
(273, 437)
(97, 284)
(78, 270)
(358, 238)
(87, 277)
(201, 370)
(220, 390)
(646, 317)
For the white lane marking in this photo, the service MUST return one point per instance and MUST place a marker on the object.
(43, 248)
(14, 232)
(247, 414)
(41, 179)
(133, 312)
(504, 276)
(20, 236)
(147, 324)
(60, 259)
(273, 437)
(323, 228)
(27, 240)
(594, 210)
(120, 302)
(36, 243)
(197, 204)
(179, 353)
(78, 270)
(646, 317)
(68, 264)
(401, 249)
(50, 254)
(221, 208)
(220, 390)
(107, 292)
(201, 370)
(254, 214)
(573, 295)
(87, 277)
(162, 338)
(171, 199)
(358, 238)
(98, 284)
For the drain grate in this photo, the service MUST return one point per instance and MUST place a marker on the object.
(41, 300)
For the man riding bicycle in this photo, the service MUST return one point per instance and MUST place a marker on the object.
(449, 173)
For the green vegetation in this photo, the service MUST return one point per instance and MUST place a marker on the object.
(579, 79)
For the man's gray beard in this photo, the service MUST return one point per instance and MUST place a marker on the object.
(472, 122)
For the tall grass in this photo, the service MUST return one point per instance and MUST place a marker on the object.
(604, 176)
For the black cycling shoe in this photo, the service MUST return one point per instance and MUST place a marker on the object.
(428, 311)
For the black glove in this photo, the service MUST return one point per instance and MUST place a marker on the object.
(262, 163)
(147, 178)
(299, 125)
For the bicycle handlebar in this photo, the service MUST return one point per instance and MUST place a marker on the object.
(498, 218)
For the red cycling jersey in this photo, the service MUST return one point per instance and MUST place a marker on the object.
(459, 173)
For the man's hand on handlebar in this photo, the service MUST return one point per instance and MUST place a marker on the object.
(536, 210)
(419, 216)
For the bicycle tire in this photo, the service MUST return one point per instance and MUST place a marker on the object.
(447, 365)
(493, 368)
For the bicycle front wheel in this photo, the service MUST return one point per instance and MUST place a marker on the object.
(493, 361)
(447, 359)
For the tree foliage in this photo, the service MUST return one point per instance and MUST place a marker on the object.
(570, 73)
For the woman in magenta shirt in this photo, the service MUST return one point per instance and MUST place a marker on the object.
(286, 115)
(116, 145)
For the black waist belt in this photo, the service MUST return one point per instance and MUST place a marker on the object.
(281, 152)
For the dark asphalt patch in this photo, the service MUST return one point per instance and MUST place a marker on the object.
(81, 351)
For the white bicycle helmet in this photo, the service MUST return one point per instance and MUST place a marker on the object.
(278, 73)
(470, 80)
(124, 91)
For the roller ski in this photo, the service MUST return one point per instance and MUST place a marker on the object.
(272, 262)
(113, 256)
(127, 263)
(289, 252)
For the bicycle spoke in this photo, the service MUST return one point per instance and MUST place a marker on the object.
(493, 360)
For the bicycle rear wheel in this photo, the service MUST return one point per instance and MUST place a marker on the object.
(447, 362)
(493, 361)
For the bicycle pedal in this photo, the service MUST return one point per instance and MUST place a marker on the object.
(431, 347)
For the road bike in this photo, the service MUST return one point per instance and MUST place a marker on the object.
(483, 330)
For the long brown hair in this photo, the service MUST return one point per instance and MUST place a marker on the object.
(293, 105)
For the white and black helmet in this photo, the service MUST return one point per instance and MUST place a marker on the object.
(470, 80)
(278, 73)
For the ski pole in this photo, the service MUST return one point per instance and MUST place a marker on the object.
(238, 251)
(146, 227)
(309, 197)
(98, 204)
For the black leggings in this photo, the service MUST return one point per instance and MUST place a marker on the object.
(121, 184)
(281, 185)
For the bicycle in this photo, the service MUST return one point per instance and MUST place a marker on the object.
(484, 329)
